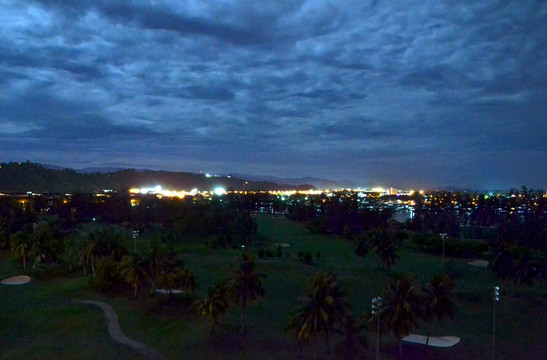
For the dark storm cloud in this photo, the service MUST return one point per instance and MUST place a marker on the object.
(402, 92)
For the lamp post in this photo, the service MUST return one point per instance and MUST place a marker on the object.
(376, 309)
(443, 237)
(495, 298)
(135, 233)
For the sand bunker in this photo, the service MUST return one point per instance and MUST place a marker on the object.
(282, 244)
(16, 280)
(479, 263)
(166, 291)
(436, 341)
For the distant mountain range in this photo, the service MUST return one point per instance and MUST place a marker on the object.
(317, 182)
(23, 177)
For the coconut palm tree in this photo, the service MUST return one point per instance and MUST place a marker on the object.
(157, 255)
(438, 302)
(89, 251)
(245, 284)
(388, 255)
(353, 343)
(215, 304)
(402, 309)
(21, 243)
(362, 247)
(169, 272)
(39, 253)
(188, 281)
(322, 308)
(133, 271)
(4, 234)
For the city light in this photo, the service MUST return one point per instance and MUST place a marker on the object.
(219, 191)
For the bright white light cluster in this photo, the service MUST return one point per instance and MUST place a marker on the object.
(159, 191)
(219, 191)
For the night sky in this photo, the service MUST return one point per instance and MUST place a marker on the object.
(393, 93)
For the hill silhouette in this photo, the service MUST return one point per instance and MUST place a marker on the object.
(27, 176)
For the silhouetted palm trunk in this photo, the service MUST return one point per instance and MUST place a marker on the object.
(93, 265)
(242, 320)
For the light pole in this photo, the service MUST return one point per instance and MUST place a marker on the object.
(495, 299)
(443, 237)
(253, 216)
(135, 233)
(376, 309)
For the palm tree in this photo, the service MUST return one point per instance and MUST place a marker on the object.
(21, 243)
(215, 304)
(402, 307)
(39, 252)
(384, 246)
(4, 238)
(88, 252)
(245, 284)
(169, 272)
(322, 308)
(438, 299)
(362, 247)
(134, 271)
(353, 342)
(157, 255)
(188, 281)
(388, 255)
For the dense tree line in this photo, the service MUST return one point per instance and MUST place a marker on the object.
(509, 229)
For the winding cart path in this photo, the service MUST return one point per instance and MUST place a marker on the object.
(117, 334)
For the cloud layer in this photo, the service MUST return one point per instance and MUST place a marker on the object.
(404, 93)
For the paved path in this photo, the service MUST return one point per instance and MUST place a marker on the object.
(117, 334)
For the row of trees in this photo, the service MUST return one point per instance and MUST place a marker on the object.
(383, 243)
(112, 265)
(243, 286)
(324, 311)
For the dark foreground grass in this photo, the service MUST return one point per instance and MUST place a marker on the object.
(41, 320)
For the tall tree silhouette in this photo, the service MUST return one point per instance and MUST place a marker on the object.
(215, 304)
(438, 302)
(402, 307)
(322, 308)
(245, 284)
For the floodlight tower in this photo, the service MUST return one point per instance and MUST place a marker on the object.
(495, 299)
(376, 309)
(135, 233)
(443, 238)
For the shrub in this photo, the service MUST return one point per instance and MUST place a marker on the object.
(307, 257)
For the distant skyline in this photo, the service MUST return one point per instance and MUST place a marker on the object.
(393, 93)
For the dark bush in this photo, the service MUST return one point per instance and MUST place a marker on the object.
(307, 257)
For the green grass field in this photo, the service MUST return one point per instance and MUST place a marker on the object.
(42, 319)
